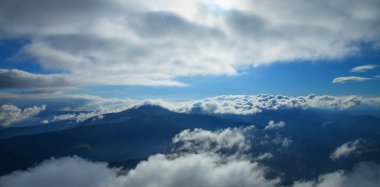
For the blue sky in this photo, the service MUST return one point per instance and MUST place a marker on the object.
(180, 50)
(284, 78)
(292, 79)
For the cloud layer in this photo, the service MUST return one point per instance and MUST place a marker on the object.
(80, 107)
(10, 114)
(245, 104)
(153, 43)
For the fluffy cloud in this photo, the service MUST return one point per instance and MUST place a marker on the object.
(364, 68)
(10, 114)
(245, 104)
(364, 174)
(153, 43)
(90, 105)
(350, 79)
(355, 147)
(188, 170)
(273, 125)
(200, 140)
(189, 164)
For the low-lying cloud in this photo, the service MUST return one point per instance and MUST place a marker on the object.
(80, 107)
(351, 148)
(200, 158)
(364, 174)
(10, 114)
(273, 125)
(251, 104)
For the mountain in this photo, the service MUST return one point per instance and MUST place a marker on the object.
(125, 138)
(128, 135)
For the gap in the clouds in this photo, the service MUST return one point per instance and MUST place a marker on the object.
(285, 78)
(12, 57)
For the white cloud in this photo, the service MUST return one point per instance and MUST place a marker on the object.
(159, 170)
(350, 79)
(10, 114)
(364, 174)
(348, 149)
(200, 140)
(207, 166)
(189, 170)
(364, 68)
(251, 104)
(91, 105)
(265, 156)
(283, 141)
(273, 125)
(62, 172)
(154, 43)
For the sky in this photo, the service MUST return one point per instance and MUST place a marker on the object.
(181, 50)
(74, 60)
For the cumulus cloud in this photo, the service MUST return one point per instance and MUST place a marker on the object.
(364, 68)
(364, 174)
(189, 164)
(347, 149)
(89, 105)
(154, 43)
(350, 79)
(273, 125)
(188, 170)
(251, 104)
(10, 114)
(200, 140)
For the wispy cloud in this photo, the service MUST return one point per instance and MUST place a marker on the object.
(349, 148)
(273, 125)
(350, 79)
(364, 68)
